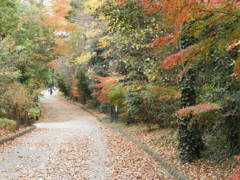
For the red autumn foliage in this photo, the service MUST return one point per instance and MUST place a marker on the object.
(151, 6)
(161, 41)
(104, 81)
(176, 59)
(105, 84)
(75, 93)
(177, 12)
(197, 109)
(179, 7)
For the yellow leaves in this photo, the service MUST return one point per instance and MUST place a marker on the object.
(106, 53)
(104, 42)
(93, 33)
(8, 73)
(85, 57)
(40, 56)
(74, 89)
(236, 69)
(164, 93)
(52, 64)
(61, 46)
(237, 66)
(91, 5)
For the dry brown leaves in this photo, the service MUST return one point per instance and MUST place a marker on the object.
(128, 162)
(200, 170)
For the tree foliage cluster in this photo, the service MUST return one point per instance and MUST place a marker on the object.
(174, 63)
(26, 51)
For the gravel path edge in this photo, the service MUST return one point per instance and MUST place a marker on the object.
(18, 134)
(172, 170)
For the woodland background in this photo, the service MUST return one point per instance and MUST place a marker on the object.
(167, 64)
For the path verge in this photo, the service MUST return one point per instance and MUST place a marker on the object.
(18, 134)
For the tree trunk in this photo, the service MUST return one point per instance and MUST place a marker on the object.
(16, 116)
(190, 140)
(233, 135)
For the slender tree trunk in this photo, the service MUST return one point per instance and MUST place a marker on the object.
(83, 99)
(26, 118)
(190, 141)
(112, 113)
(16, 116)
(233, 135)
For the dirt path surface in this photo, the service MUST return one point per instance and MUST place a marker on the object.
(70, 144)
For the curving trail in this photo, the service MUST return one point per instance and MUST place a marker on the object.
(70, 144)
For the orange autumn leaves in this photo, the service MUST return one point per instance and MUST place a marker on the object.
(178, 58)
(197, 109)
(106, 84)
(231, 47)
(161, 41)
(55, 18)
(176, 13)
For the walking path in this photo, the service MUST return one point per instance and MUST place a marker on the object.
(70, 144)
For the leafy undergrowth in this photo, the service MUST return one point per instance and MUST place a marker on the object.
(7, 124)
(164, 142)
(8, 128)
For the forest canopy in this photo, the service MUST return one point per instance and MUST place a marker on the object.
(171, 63)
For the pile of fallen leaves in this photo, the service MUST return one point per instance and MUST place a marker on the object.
(127, 161)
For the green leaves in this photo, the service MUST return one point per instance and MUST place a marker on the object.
(9, 19)
(25, 50)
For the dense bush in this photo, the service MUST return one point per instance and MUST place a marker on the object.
(63, 86)
(34, 113)
(18, 104)
(7, 125)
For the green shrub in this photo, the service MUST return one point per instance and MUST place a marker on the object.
(2, 112)
(34, 113)
(93, 103)
(63, 86)
(8, 125)
(15, 100)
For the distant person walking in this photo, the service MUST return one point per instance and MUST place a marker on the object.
(51, 89)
